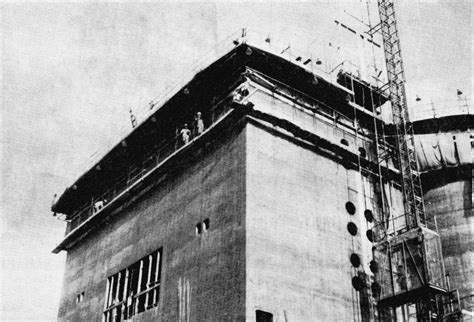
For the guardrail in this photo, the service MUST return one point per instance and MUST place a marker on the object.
(394, 226)
(149, 162)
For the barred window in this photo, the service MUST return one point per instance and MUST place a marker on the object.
(134, 289)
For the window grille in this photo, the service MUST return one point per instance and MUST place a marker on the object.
(134, 289)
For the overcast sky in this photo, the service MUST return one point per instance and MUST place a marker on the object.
(71, 72)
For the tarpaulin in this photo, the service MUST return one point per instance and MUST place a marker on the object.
(463, 148)
(435, 151)
(447, 149)
(427, 152)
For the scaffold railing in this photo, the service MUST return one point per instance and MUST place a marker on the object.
(150, 161)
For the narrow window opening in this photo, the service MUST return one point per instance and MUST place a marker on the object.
(205, 224)
(344, 142)
(262, 316)
(198, 228)
(80, 297)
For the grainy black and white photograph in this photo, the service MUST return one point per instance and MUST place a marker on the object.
(258, 161)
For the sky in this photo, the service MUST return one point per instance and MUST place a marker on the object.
(72, 71)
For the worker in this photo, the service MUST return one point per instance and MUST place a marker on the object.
(185, 134)
(98, 205)
(241, 93)
(199, 123)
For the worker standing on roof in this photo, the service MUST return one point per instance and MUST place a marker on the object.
(199, 123)
(98, 205)
(185, 134)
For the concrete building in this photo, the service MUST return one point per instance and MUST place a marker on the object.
(264, 215)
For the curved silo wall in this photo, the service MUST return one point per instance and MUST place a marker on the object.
(445, 159)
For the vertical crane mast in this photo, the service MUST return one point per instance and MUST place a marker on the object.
(411, 183)
(409, 272)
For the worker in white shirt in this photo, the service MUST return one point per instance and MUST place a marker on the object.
(199, 123)
(185, 134)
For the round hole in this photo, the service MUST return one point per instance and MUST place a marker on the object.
(355, 260)
(362, 152)
(344, 142)
(352, 228)
(369, 216)
(375, 287)
(351, 209)
(357, 283)
(374, 267)
(370, 235)
(248, 52)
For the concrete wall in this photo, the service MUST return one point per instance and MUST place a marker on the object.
(298, 246)
(278, 240)
(450, 204)
(210, 266)
(317, 123)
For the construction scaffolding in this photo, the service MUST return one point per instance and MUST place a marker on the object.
(408, 262)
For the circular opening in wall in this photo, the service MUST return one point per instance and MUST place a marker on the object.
(355, 260)
(248, 52)
(357, 283)
(370, 235)
(374, 267)
(344, 142)
(369, 216)
(375, 287)
(351, 209)
(352, 228)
